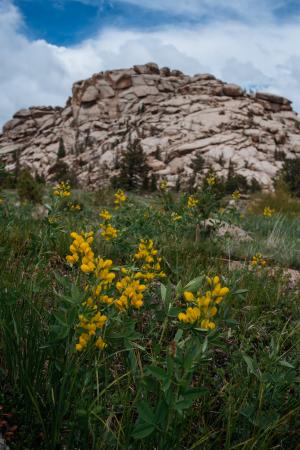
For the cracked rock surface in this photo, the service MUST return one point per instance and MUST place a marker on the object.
(175, 116)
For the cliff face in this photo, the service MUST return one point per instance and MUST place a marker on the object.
(174, 115)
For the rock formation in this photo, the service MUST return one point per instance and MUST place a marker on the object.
(175, 116)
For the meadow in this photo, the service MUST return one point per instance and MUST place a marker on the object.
(126, 323)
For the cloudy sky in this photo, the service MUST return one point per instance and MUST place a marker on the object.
(46, 45)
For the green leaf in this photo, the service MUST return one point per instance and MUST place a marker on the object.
(187, 399)
(179, 288)
(240, 292)
(285, 363)
(250, 366)
(157, 372)
(178, 335)
(145, 412)
(163, 292)
(142, 430)
(194, 284)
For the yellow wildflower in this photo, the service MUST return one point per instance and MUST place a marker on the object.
(74, 207)
(175, 217)
(211, 180)
(258, 261)
(163, 185)
(268, 212)
(205, 305)
(236, 195)
(100, 344)
(120, 198)
(192, 202)
(105, 215)
(81, 248)
(108, 232)
(62, 190)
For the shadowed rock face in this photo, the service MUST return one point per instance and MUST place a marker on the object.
(174, 115)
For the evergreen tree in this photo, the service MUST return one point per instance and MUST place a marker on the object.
(291, 175)
(60, 171)
(197, 163)
(61, 149)
(134, 170)
(153, 183)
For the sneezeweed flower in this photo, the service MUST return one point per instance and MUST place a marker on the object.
(108, 232)
(236, 195)
(62, 190)
(258, 261)
(211, 180)
(175, 217)
(163, 186)
(105, 215)
(268, 212)
(120, 198)
(203, 306)
(192, 202)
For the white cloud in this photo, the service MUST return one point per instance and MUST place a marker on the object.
(37, 73)
(248, 9)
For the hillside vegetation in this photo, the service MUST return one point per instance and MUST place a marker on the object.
(132, 321)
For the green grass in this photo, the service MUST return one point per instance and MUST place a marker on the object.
(248, 369)
(277, 238)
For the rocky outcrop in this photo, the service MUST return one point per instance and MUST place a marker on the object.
(175, 116)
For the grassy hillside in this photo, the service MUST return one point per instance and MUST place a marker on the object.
(175, 337)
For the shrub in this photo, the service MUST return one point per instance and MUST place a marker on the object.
(291, 175)
(28, 188)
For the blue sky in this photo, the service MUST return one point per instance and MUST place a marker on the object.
(67, 22)
(46, 45)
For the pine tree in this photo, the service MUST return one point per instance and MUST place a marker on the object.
(197, 163)
(61, 149)
(134, 170)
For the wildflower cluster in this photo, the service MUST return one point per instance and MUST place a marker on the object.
(120, 198)
(108, 232)
(74, 207)
(62, 190)
(81, 248)
(147, 255)
(175, 217)
(236, 195)
(53, 219)
(268, 212)
(90, 329)
(192, 202)
(204, 306)
(211, 180)
(163, 186)
(258, 261)
(121, 288)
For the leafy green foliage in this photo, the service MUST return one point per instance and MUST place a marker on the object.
(157, 385)
(291, 175)
(28, 188)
